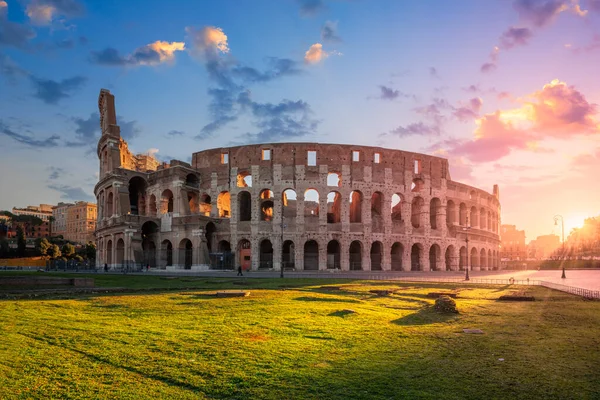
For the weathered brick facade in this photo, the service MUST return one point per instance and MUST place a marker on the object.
(301, 205)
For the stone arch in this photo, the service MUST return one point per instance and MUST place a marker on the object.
(416, 257)
(462, 259)
(266, 254)
(417, 185)
(377, 212)
(435, 213)
(149, 253)
(224, 247)
(209, 233)
(450, 258)
(166, 202)
(120, 252)
(110, 204)
(462, 217)
(311, 255)
(166, 248)
(192, 180)
(266, 205)
(450, 213)
(474, 256)
(109, 252)
(224, 204)
(483, 262)
(473, 217)
(137, 195)
(153, 208)
(244, 179)
(311, 205)
(355, 206)
(205, 205)
(417, 212)
(193, 203)
(244, 248)
(244, 206)
(397, 201)
(435, 258)
(288, 255)
(334, 179)
(355, 252)
(376, 256)
(186, 253)
(483, 221)
(396, 253)
(334, 207)
(333, 254)
(289, 204)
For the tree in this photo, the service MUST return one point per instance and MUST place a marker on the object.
(54, 251)
(90, 251)
(43, 245)
(51, 219)
(21, 242)
(4, 249)
(68, 250)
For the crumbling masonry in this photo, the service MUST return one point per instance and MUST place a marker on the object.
(306, 206)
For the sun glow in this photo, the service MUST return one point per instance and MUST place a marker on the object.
(573, 221)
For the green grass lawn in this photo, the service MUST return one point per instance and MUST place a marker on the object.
(291, 339)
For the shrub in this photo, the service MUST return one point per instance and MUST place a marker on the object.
(445, 304)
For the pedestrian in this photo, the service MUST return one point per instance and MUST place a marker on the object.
(105, 267)
(240, 271)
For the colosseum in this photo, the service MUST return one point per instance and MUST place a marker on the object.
(297, 206)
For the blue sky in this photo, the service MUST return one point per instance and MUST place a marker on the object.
(506, 90)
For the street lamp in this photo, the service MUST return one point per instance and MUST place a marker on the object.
(281, 265)
(562, 225)
(466, 230)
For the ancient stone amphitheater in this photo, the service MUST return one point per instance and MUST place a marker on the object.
(302, 206)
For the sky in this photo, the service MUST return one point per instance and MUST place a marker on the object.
(507, 91)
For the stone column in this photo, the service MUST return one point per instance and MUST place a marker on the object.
(255, 254)
(406, 257)
(386, 257)
(322, 256)
(344, 256)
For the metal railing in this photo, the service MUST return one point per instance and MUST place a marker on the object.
(587, 293)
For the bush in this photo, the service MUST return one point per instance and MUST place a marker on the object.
(445, 304)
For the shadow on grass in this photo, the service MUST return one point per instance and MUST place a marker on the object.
(425, 316)
(327, 299)
(319, 337)
(341, 313)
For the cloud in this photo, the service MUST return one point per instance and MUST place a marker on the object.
(388, 93)
(311, 8)
(87, 131)
(557, 111)
(12, 33)
(43, 12)
(51, 141)
(433, 72)
(175, 133)
(542, 12)
(55, 173)
(151, 54)
(51, 92)
(207, 41)
(592, 46)
(416, 129)
(329, 32)
(10, 70)
(277, 68)
(315, 54)
(71, 193)
(470, 111)
(515, 37)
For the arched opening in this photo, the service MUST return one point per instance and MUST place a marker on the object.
(224, 247)
(355, 207)
(483, 220)
(377, 212)
(244, 206)
(209, 234)
(396, 210)
(149, 253)
(266, 205)
(193, 202)
(109, 252)
(149, 230)
(483, 262)
(166, 249)
(192, 180)
(244, 179)
(121, 252)
(266, 255)
(311, 255)
(137, 196)
(355, 256)
(166, 202)
(417, 212)
(185, 253)
(333, 255)
(205, 205)
(462, 218)
(490, 260)
(474, 259)
(435, 213)
(334, 179)
(289, 205)
(417, 185)
(416, 255)
(473, 220)
(245, 254)
(288, 255)
(110, 209)
(311, 207)
(435, 254)
(450, 213)
(462, 261)
(396, 256)
(376, 256)
(450, 258)
(153, 209)
(224, 205)
(334, 208)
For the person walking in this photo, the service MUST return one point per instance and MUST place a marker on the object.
(105, 267)
(240, 271)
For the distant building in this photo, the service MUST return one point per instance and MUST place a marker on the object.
(43, 211)
(30, 230)
(81, 222)
(59, 225)
(513, 243)
(543, 247)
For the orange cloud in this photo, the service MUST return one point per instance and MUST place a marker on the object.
(315, 54)
(164, 50)
(208, 41)
(40, 14)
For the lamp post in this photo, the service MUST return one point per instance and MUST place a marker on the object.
(562, 225)
(282, 226)
(466, 230)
